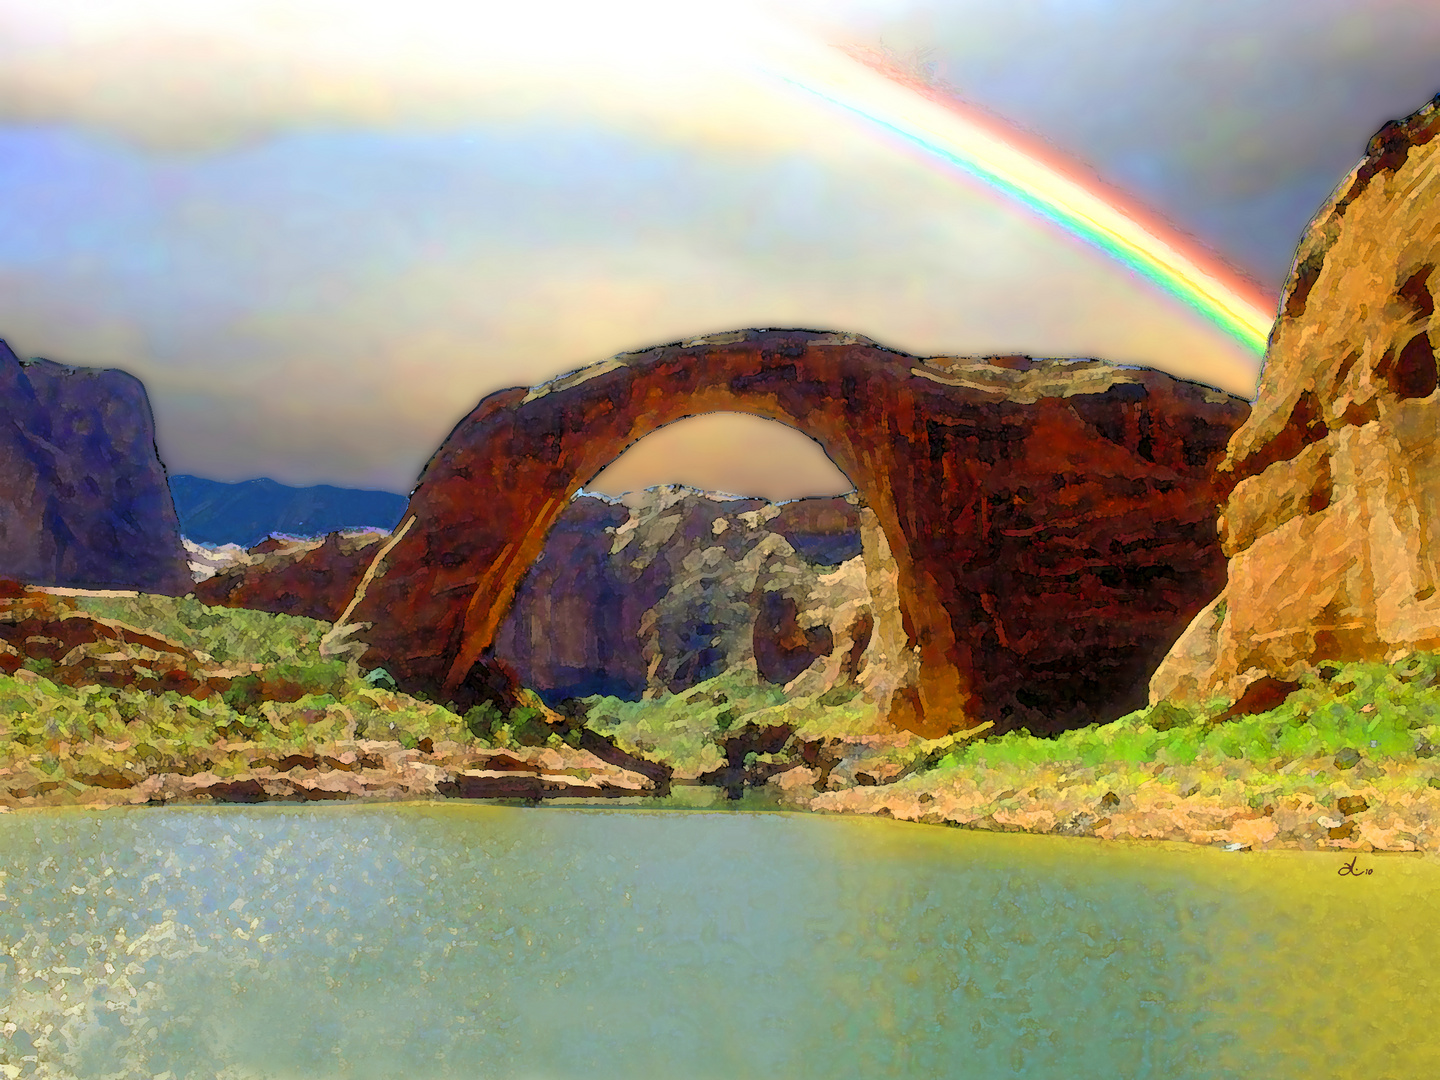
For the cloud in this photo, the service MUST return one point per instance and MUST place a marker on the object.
(359, 382)
(177, 75)
(331, 229)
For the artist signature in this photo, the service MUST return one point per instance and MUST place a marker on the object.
(1349, 870)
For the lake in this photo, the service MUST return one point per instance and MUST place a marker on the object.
(465, 940)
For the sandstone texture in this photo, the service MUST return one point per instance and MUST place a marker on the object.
(1187, 808)
(1331, 526)
(354, 769)
(1051, 524)
(646, 595)
(310, 578)
(83, 495)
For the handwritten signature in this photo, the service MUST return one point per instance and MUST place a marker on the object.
(1349, 870)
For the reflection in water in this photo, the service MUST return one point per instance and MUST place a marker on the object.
(471, 941)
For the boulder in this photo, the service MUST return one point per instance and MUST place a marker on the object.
(1051, 523)
(83, 496)
(1331, 527)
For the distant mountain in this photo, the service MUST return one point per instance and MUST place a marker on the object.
(212, 512)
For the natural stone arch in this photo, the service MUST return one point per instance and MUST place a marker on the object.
(958, 460)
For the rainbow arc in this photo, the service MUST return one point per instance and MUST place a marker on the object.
(965, 140)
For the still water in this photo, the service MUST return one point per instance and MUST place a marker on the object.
(463, 940)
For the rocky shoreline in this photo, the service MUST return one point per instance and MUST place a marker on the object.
(1204, 810)
(1196, 808)
(359, 769)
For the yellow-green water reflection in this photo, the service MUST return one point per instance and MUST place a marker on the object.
(460, 940)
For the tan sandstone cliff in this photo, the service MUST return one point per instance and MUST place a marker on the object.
(1331, 527)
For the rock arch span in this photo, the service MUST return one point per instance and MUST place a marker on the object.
(1052, 523)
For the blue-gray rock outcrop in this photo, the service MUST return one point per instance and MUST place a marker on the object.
(84, 501)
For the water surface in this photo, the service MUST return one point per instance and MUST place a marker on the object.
(462, 940)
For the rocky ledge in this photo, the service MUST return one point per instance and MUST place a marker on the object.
(80, 649)
(360, 769)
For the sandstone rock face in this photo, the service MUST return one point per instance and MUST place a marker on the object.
(672, 586)
(1051, 524)
(83, 496)
(311, 578)
(1331, 526)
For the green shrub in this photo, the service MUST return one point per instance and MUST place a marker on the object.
(1383, 710)
(482, 720)
(528, 726)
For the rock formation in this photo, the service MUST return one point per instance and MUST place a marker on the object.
(654, 593)
(1331, 528)
(79, 649)
(1051, 523)
(673, 586)
(311, 578)
(83, 497)
(207, 560)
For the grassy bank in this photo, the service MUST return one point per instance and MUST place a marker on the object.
(700, 729)
(1346, 760)
(59, 741)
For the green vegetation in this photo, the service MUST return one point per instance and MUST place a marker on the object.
(54, 735)
(1355, 716)
(688, 730)
(525, 725)
(683, 730)
(49, 724)
(228, 635)
(1358, 723)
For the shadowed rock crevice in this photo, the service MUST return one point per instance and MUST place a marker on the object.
(1412, 374)
(1304, 276)
(1305, 427)
(1416, 293)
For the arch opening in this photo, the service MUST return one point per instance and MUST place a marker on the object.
(710, 554)
(712, 627)
(726, 452)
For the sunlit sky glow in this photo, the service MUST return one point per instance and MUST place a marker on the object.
(320, 232)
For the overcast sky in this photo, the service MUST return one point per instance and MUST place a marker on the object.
(320, 232)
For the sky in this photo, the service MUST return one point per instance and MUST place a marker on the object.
(321, 232)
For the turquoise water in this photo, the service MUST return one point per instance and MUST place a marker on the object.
(461, 940)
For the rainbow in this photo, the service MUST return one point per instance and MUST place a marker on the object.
(963, 139)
